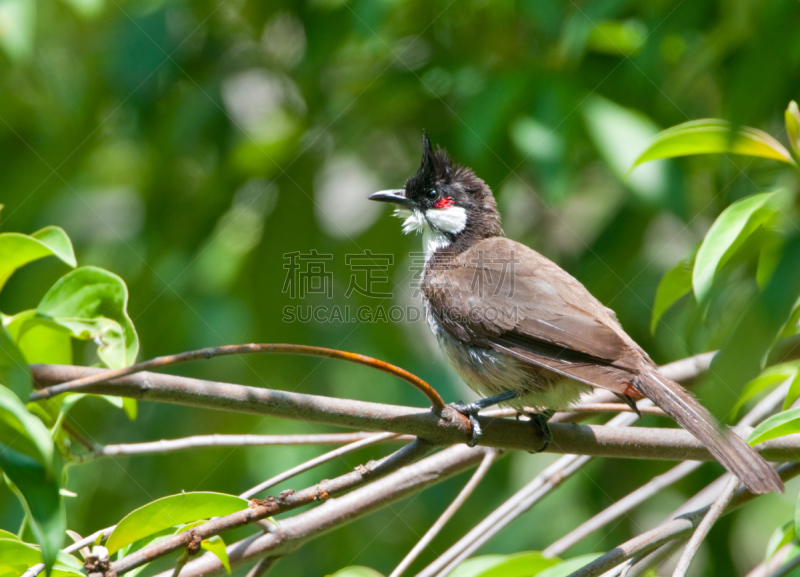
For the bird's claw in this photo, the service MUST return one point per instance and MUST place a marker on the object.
(470, 411)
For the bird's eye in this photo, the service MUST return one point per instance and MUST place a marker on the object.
(431, 194)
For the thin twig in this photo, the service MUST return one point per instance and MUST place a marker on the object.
(324, 458)
(262, 567)
(297, 530)
(616, 510)
(210, 352)
(448, 428)
(705, 525)
(261, 509)
(447, 515)
(216, 440)
(182, 560)
(787, 568)
(517, 504)
(679, 528)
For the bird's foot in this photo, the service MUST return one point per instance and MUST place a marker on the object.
(471, 412)
(540, 422)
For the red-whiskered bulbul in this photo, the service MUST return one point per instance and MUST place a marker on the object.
(523, 332)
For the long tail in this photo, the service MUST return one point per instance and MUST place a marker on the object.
(737, 456)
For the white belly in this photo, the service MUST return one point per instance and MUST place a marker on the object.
(489, 372)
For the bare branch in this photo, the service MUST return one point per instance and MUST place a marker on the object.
(203, 441)
(315, 462)
(621, 507)
(705, 525)
(262, 567)
(447, 515)
(679, 528)
(82, 382)
(517, 504)
(308, 525)
(261, 509)
(688, 368)
(447, 428)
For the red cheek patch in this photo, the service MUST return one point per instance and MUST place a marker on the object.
(445, 202)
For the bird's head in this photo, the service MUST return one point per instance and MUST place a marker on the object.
(445, 200)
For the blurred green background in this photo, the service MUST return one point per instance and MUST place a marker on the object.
(189, 146)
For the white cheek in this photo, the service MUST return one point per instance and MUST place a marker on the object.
(451, 220)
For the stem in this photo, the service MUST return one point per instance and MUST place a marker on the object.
(83, 382)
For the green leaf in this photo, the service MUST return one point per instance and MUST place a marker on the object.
(14, 371)
(20, 556)
(40, 341)
(779, 425)
(92, 304)
(767, 379)
(727, 234)
(22, 432)
(356, 571)
(794, 392)
(18, 29)
(780, 537)
(521, 565)
(477, 565)
(17, 250)
(171, 511)
(619, 134)
(765, 317)
(569, 566)
(216, 546)
(676, 283)
(38, 489)
(711, 136)
(792, 118)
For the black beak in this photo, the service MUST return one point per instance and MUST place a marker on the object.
(397, 196)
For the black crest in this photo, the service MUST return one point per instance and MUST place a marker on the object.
(436, 168)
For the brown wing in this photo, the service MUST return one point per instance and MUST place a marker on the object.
(504, 295)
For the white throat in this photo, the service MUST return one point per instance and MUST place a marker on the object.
(435, 225)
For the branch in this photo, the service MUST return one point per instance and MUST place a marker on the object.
(447, 515)
(83, 382)
(447, 428)
(764, 408)
(315, 462)
(716, 509)
(306, 526)
(266, 508)
(679, 528)
(201, 441)
(517, 504)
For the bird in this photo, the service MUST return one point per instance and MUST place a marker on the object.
(523, 332)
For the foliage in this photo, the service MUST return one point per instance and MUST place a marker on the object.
(189, 146)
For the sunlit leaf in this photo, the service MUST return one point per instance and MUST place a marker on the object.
(356, 571)
(792, 118)
(569, 566)
(675, 283)
(38, 489)
(768, 379)
(39, 341)
(780, 425)
(619, 134)
(22, 432)
(780, 537)
(14, 371)
(216, 546)
(20, 556)
(521, 565)
(17, 250)
(477, 565)
(171, 511)
(727, 234)
(92, 304)
(709, 136)
(17, 28)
